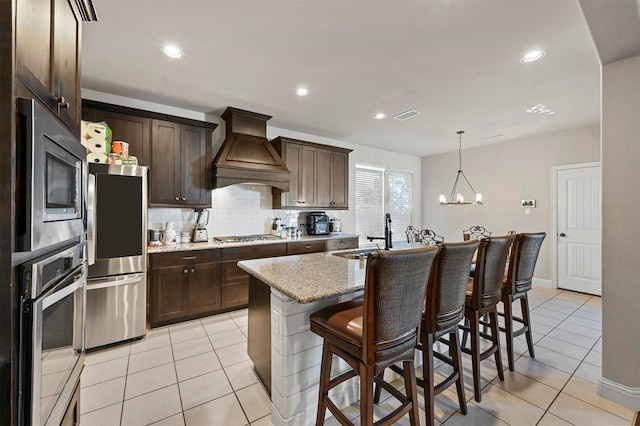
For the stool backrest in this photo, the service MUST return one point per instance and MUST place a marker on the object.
(475, 233)
(394, 292)
(524, 255)
(447, 286)
(488, 278)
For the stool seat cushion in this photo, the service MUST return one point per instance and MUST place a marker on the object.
(343, 320)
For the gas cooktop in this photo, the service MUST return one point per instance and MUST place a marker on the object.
(246, 238)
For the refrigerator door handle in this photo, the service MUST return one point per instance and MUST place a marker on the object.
(91, 219)
(95, 284)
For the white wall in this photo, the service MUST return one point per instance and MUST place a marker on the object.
(246, 208)
(505, 173)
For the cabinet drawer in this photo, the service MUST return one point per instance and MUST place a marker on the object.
(342, 243)
(302, 247)
(164, 260)
(254, 252)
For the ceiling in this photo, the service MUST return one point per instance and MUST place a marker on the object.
(455, 61)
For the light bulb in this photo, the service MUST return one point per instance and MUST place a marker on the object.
(443, 199)
(459, 197)
(478, 197)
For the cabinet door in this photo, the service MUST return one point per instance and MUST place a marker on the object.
(66, 63)
(164, 169)
(131, 129)
(33, 47)
(340, 180)
(195, 162)
(308, 176)
(204, 288)
(235, 285)
(293, 156)
(325, 196)
(169, 294)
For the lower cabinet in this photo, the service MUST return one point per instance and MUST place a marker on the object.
(189, 284)
(235, 281)
(184, 285)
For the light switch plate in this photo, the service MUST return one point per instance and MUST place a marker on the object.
(528, 203)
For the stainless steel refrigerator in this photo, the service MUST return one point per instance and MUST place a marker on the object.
(117, 252)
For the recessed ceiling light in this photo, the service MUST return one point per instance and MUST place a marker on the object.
(540, 109)
(380, 116)
(534, 55)
(302, 91)
(173, 52)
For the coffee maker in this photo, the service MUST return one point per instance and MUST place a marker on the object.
(200, 234)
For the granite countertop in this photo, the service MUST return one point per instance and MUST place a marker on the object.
(211, 244)
(311, 277)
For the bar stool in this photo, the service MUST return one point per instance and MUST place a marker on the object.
(522, 263)
(484, 292)
(444, 310)
(376, 331)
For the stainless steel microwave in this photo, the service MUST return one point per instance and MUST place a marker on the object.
(51, 180)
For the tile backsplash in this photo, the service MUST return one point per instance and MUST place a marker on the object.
(236, 210)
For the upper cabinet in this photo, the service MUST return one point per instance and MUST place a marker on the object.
(180, 159)
(319, 175)
(176, 150)
(48, 53)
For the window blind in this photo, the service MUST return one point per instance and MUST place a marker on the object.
(369, 202)
(400, 201)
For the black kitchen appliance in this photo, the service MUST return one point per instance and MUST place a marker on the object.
(317, 223)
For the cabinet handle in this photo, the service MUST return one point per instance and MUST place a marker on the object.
(184, 199)
(62, 102)
(184, 271)
(177, 198)
(188, 258)
(307, 247)
(192, 270)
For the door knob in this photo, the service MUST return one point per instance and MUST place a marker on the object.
(562, 234)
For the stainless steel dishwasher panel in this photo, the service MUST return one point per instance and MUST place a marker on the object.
(116, 309)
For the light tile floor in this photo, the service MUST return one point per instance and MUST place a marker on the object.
(199, 373)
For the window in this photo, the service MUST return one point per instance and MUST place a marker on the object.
(400, 201)
(369, 202)
(374, 198)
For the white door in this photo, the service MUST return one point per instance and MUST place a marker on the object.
(579, 229)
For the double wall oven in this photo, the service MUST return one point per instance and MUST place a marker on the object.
(50, 259)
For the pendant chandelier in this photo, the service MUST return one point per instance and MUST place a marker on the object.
(457, 198)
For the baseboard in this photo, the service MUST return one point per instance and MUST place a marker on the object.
(541, 282)
(623, 395)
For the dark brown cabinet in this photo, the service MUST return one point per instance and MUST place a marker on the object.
(304, 247)
(319, 175)
(48, 55)
(235, 281)
(184, 285)
(180, 164)
(342, 243)
(133, 129)
(333, 179)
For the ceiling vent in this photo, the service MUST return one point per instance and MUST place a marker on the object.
(406, 115)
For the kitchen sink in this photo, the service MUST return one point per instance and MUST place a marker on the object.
(354, 254)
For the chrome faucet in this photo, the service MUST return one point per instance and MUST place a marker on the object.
(387, 233)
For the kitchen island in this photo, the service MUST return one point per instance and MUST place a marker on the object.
(283, 292)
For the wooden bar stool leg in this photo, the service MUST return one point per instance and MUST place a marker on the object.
(508, 329)
(474, 328)
(524, 304)
(410, 386)
(495, 331)
(427, 374)
(456, 357)
(366, 394)
(325, 378)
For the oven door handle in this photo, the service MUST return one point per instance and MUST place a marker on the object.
(91, 220)
(56, 296)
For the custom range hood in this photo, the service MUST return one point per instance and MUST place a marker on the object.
(246, 155)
